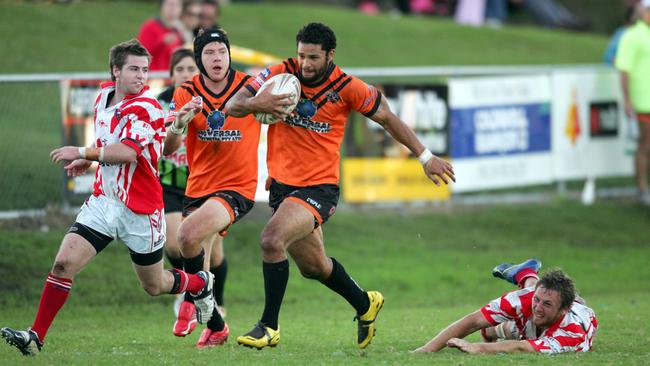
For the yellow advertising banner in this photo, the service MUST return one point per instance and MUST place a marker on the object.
(388, 179)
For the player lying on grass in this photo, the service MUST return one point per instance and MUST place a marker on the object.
(545, 315)
(126, 202)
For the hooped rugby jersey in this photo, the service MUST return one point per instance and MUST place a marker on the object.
(138, 122)
(304, 149)
(221, 149)
(573, 333)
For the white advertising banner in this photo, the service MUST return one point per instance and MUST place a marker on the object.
(589, 125)
(500, 132)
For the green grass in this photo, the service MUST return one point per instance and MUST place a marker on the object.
(432, 268)
(31, 129)
(76, 37)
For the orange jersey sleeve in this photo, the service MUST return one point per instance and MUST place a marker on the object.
(256, 83)
(362, 97)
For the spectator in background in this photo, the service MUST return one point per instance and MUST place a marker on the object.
(548, 13)
(369, 7)
(210, 12)
(496, 11)
(161, 35)
(631, 16)
(633, 60)
(552, 14)
(190, 20)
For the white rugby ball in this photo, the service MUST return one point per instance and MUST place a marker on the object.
(282, 84)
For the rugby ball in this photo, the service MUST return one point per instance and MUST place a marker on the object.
(282, 84)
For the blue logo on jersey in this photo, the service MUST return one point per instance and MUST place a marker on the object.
(333, 96)
(172, 106)
(265, 73)
(216, 119)
(306, 108)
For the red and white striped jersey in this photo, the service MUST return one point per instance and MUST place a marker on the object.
(573, 333)
(138, 122)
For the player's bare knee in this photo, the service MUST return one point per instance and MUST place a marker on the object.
(271, 242)
(61, 267)
(152, 289)
(186, 238)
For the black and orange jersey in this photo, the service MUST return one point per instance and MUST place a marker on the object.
(221, 149)
(304, 149)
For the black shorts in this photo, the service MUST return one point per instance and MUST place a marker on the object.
(173, 198)
(320, 200)
(236, 204)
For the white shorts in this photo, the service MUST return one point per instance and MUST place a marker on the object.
(142, 233)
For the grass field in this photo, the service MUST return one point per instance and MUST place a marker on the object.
(77, 41)
(431, 267)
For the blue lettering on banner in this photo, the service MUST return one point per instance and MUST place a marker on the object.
(500, 130)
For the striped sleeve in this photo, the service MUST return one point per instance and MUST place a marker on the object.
(364, 98)
(256, 83)
(503, 309)
(144, 119)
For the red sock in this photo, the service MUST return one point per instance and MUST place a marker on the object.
(188, 282)
(526, 273)
(55, 293)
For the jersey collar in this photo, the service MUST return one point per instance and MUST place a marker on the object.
(111, 84)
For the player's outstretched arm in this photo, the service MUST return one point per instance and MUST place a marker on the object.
(498, 347)
(435, 168)
(458, 329)
(180, 120)
(244, 103)
(77, 167)
(117, 153)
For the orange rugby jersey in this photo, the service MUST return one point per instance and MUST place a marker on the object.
(221, 150)
(304, 150)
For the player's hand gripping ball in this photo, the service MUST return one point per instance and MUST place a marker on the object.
(282, 84)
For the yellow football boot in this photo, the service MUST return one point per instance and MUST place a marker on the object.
(261, 336)
(366, 322)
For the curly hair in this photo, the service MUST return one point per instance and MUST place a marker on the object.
(557, 280)
(317, 33)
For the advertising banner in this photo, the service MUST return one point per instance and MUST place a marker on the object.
(378, 168)
(386, 179)
(590, 131)
(500, 131)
